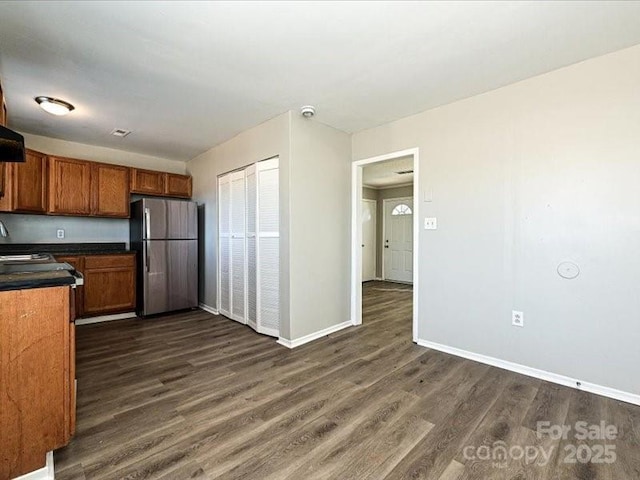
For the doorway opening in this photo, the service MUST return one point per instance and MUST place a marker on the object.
(384, 234)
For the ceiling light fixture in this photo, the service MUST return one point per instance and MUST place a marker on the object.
(308, 111)
(54, 106)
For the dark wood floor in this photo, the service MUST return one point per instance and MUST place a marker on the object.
(198, 396)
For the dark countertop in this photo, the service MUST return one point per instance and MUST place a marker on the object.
(64, 248)
(39, 275)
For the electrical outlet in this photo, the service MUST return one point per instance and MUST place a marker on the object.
(517, 318)
(60, 233)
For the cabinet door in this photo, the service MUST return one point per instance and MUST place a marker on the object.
(177, 185)
(34, 373)
(109, 284)
(69, 186)
(76, 262)
(109, 190)
(29, 183)
(147, 181)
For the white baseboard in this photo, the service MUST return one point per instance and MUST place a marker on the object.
(536, 373)
(314, 336)
(207, 308)
(44, 473)
(105, 318)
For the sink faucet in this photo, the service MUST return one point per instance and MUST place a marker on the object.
(3, 230)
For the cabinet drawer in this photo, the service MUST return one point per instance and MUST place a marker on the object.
(106, 261)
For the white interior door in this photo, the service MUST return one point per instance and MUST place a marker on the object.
(268, 247)
(238, 245)
(224, 245)
(368, 240)
(252, 259)
(398, 239)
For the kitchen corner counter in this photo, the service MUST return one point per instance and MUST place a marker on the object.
(24, 276)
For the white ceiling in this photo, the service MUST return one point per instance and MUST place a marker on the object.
(185, 76)
(385, 174)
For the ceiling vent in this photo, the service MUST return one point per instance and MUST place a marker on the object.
(119, 132)
(404, 172)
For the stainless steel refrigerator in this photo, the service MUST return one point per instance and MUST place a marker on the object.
(165, 235)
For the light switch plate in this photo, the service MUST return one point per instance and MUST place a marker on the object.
(60, 233)
(431, 223)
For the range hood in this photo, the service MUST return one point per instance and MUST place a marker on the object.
(11, 146)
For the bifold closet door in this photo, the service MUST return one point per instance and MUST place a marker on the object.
(238, 245)
(224, 245)
(252, 208)
(268, 247)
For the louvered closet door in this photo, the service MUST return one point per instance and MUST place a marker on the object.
(251, 247)
(238, 245)
(268, 248)
(224, 245)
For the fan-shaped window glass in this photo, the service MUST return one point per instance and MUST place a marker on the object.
(401, 209)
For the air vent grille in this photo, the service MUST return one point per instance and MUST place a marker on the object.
(120, 132)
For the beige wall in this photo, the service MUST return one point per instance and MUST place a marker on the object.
(523, 178)
(379, 195)
(42, 229)
(54, 146)
(269, 139)
(320, 226)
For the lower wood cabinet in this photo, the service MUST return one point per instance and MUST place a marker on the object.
(109, 283)
(37, 376)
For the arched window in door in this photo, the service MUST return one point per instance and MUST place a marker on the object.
(401, 209)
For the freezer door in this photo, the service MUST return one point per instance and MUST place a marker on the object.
(155, 219)
(182, 220)
(171, 275)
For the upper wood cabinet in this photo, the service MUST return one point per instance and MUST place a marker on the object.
(26, 185)
(147, 181)
(177, 185)
(69, 186)
(163, 184)
(109, 190)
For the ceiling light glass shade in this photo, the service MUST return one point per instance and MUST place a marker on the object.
(54, 106)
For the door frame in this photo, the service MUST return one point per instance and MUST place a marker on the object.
(356, 232)
(384, 227)
(375, 235)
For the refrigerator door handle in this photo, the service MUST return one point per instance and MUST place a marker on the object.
(147, 223)
(147, 263)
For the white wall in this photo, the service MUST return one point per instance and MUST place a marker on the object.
(42, 229)
(523, 178)
(269, 139)
(320, 226)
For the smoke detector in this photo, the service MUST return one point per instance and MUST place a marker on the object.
(120, 132)
(308, 111)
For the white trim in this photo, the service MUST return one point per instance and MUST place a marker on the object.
(356, 232)
(105, 318)
(375, 235)
(536, 373)
(388, 187)
(314, 336)
(207, 308)
(44, 473)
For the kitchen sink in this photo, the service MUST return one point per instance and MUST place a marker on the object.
(28, 258)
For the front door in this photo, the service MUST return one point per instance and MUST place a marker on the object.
(398, 240)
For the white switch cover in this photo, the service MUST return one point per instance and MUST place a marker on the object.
(517, 318)
(60, 233)
(431, 223)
